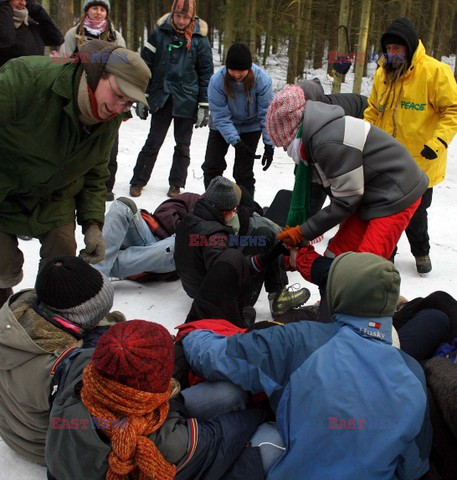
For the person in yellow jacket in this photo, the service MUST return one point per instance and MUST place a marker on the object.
(414, 98)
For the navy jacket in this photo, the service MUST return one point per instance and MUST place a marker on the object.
(177, 71)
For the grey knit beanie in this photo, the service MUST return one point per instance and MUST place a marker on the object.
(223, 194)
(71, 288)
(92, 3)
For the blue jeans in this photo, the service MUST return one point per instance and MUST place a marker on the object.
(270, 442)
(207, 400)
(131, 248)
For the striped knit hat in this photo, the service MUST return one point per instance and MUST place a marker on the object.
(186, 7)
(285, 114)
(69, 287)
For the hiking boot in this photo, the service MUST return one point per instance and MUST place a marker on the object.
(129, 202)
(5, 293)
(173, 191)
(109, 197)
(423, 264)
(135, 190)
(287, 298)
(248, 313)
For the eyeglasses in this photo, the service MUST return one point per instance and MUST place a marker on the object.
(119, 99)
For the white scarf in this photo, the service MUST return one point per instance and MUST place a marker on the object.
(20, 17)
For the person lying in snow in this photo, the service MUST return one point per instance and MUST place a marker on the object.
(137, 241)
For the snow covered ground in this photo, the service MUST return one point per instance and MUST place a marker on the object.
(167, 303)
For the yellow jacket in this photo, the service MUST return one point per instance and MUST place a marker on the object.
(417, 110)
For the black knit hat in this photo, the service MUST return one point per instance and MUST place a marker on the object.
(401, 32)
(70, 287)
(238, 57)
(223, 194)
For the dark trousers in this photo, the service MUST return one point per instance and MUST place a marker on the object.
(224, 291)
(112, 165)
(160, 123)
(417, 231)
(215, 164)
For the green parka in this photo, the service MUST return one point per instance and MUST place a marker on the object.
(50, 167)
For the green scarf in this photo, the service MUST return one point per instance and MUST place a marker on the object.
(300, 201)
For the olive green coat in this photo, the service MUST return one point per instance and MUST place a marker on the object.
(50, 169)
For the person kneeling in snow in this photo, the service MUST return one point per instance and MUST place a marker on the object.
(373, 182)
(69, 308)
(309, 370)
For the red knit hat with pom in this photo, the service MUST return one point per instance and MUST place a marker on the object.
(285, 114)
(138, 354)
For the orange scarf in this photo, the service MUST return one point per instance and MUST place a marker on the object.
(188, 32)
(132, 451)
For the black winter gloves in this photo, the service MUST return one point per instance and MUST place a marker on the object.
(433, 148)
(34, 9)
(262, 260)
(267, 157)
(244, 150)
(142, 111)
(202, 115)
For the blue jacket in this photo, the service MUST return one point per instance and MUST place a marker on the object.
(348, 404)
(230, 117)
(176, 71)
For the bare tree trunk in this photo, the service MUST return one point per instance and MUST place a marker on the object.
(62, 14)
(362, 46)
(405, 8)
(294, 38)
(342, 42)
(228, 27)
(304, 47)
(252, 29)
(268, 32)
(431, 31)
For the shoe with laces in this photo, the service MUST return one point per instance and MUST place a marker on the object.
(423, 264)
(173, 191)
(288, 298)
(135, 190)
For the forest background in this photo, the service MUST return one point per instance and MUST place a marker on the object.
(312, 33)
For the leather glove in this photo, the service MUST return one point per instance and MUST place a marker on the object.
(262, 260)
(242, 149)
(95, 245)
(433, 148)
(293, 237)
(267, 158)
(202, 115)
(142, 110)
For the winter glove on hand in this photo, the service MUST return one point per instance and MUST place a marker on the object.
(433, 148)
(142, 110)
(267, 157)
(293, 237)
(95, 245)
(242, 149)
(262, 260)
(202, 115)
(34, 8)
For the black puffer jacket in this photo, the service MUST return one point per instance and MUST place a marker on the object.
(26, 40)
(193, 257)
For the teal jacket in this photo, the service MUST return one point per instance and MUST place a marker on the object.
(50, 168)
